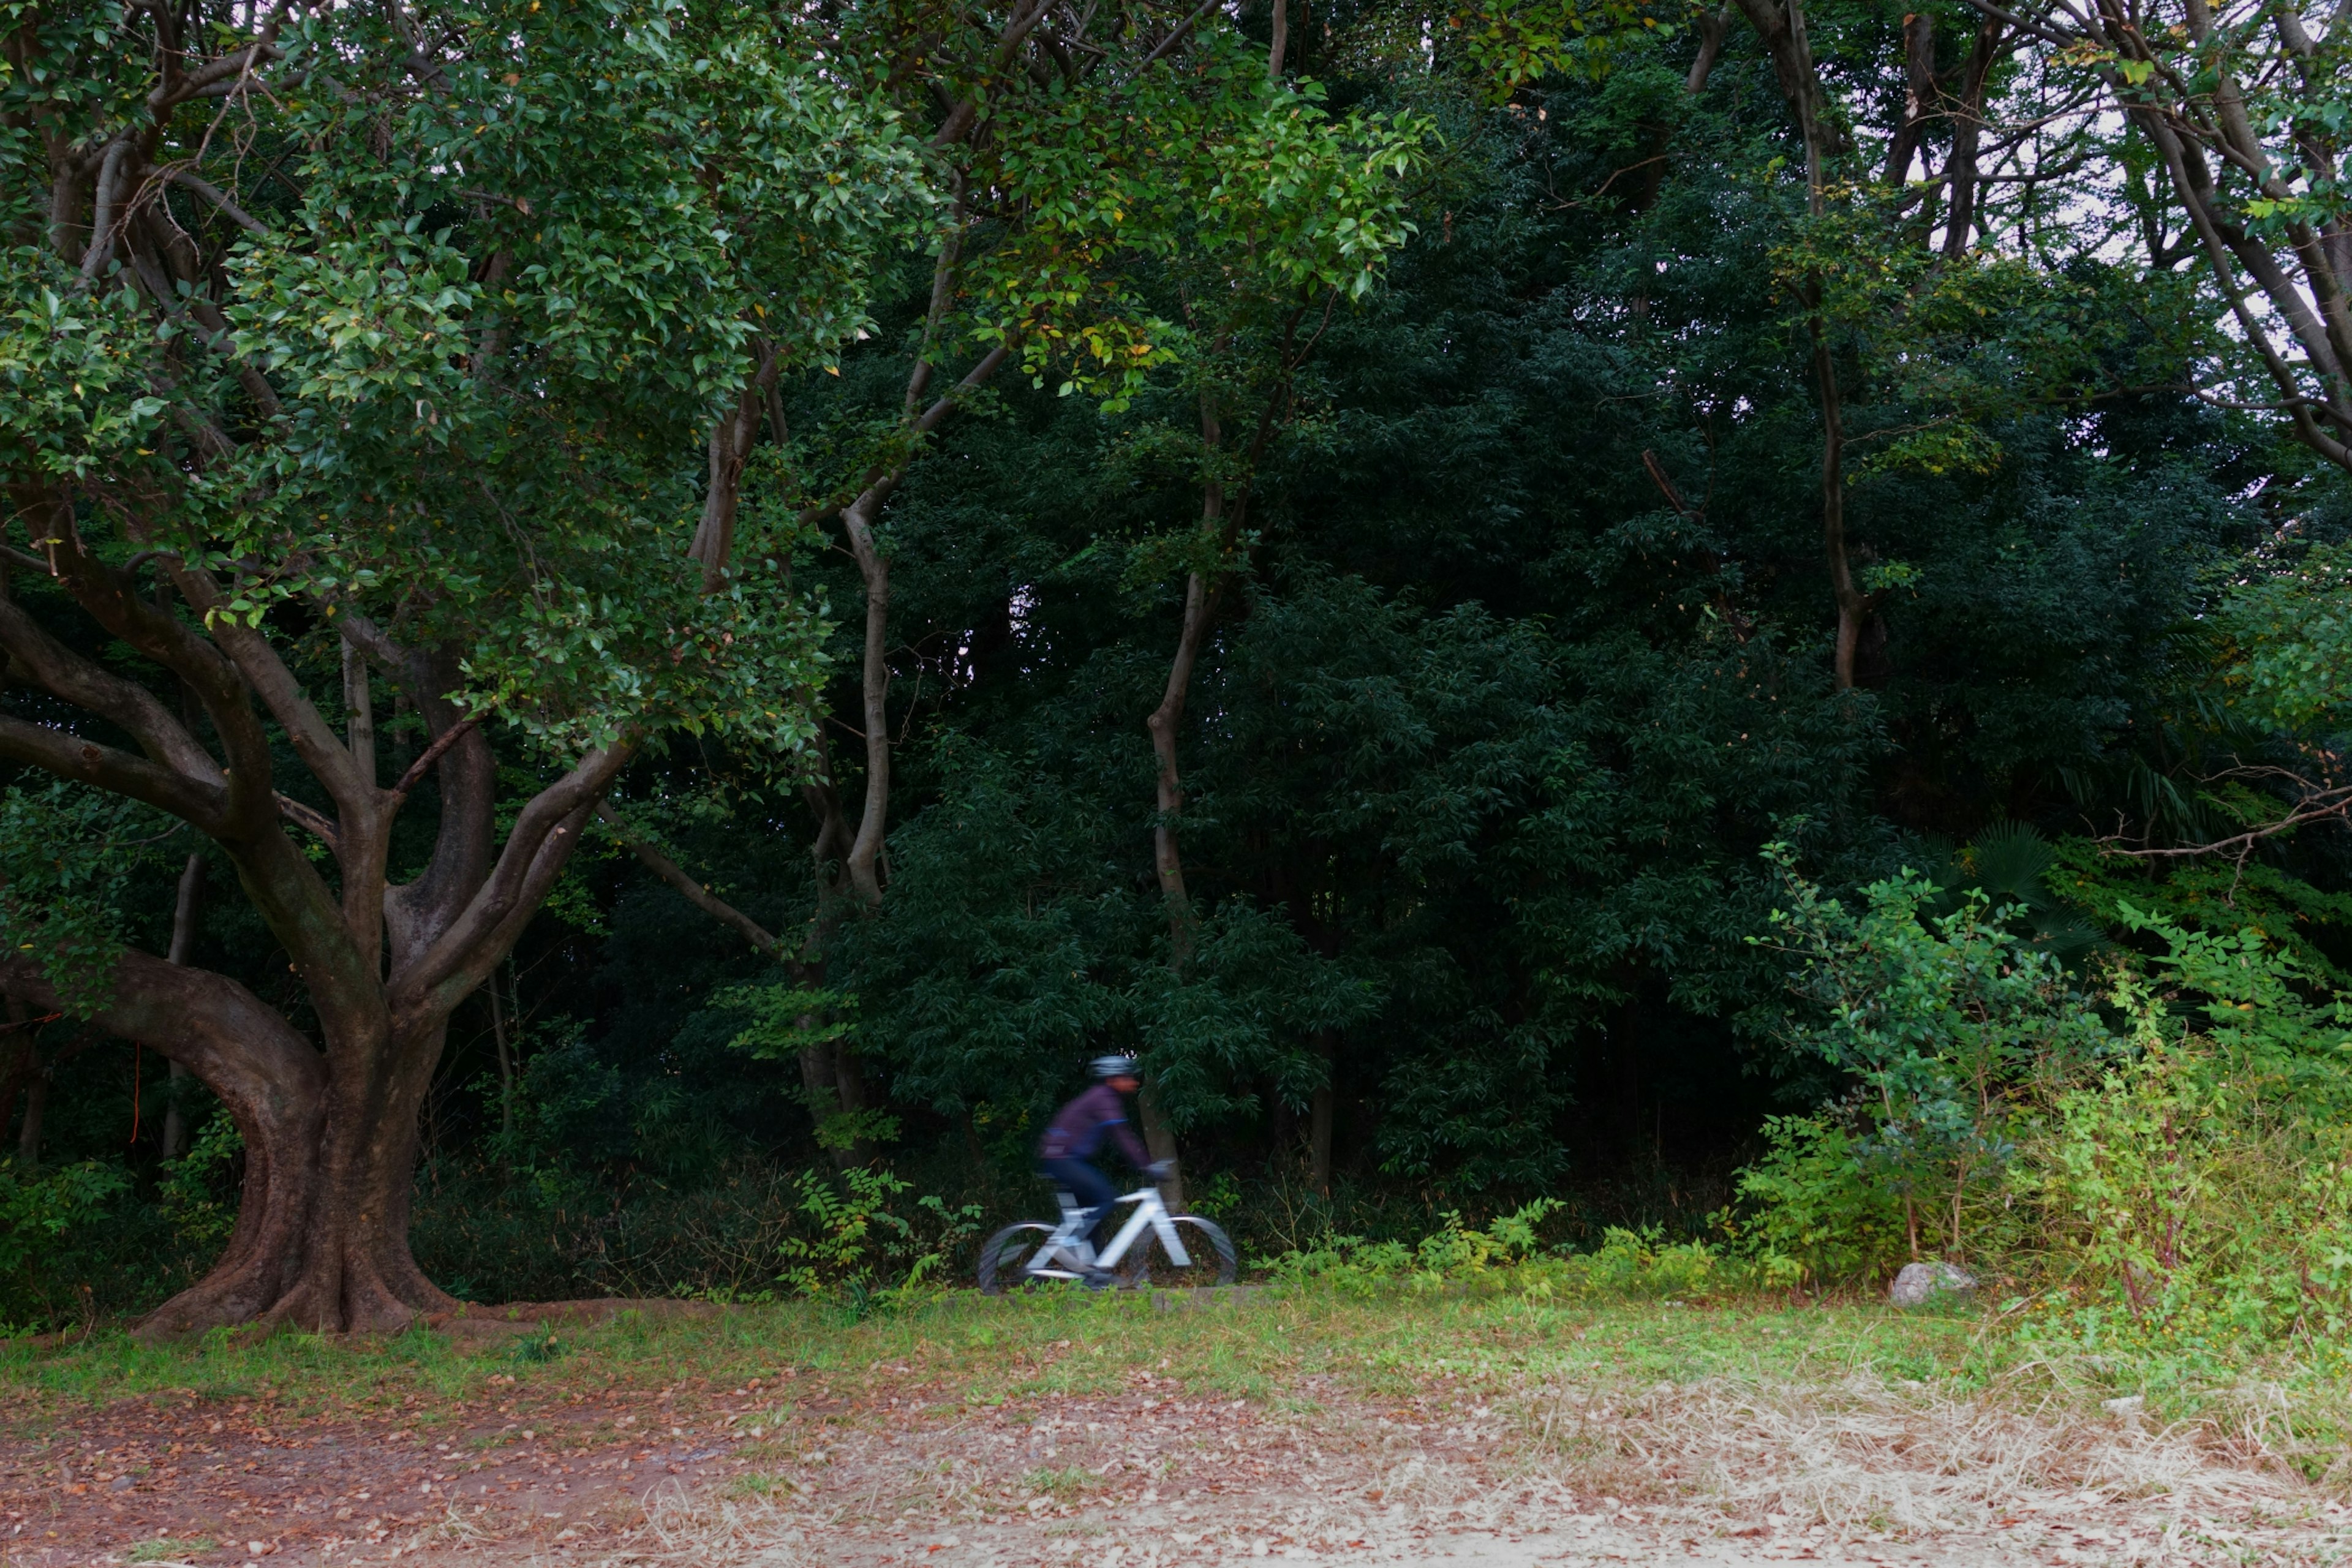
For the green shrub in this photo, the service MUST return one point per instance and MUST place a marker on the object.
(1453, 1252)
(1820, 1211)
(1949, 1028)
(2189, 1192)
(1643, 1263)
(2174, 1167)
(863, 1237)
(39, 1211)
(196, 1195)
(1508, 1256)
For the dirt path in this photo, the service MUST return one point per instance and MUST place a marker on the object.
(1704, 1475)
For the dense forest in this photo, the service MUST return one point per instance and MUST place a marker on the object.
(628, 620)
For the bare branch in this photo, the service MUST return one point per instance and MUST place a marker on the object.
(189, 180)
(2319, 803)
(227, 72)
(309, 821)
(1176, 36)
(433, 754)
(696, 893)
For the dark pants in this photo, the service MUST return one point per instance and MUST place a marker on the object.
(1090, 1187)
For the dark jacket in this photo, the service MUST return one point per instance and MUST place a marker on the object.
(1077, 1130)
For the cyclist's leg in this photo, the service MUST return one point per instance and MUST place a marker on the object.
(1091, 1188)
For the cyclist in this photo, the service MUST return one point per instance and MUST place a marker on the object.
(1065, 1154)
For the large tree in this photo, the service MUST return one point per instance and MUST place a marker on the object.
(364, 343)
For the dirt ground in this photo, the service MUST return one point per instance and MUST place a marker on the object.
(779, 1472)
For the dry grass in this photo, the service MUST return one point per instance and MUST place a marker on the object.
(1859, 1454)
(2026, 1471)
(703, 1529)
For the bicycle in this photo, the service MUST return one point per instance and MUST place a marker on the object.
(1062, 1252)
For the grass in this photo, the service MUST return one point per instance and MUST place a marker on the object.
(1063, 1484)
(163, 1548)
(1760, 1403)
(979, 1352)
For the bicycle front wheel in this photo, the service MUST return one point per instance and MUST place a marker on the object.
(1209, 1249)
(1003, 1255)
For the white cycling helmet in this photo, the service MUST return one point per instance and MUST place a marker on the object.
(1105, 1069)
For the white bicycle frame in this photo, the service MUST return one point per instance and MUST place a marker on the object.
(1068, 1242)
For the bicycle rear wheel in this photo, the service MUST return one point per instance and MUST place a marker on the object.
(1210, 1249)
(1002, 1255)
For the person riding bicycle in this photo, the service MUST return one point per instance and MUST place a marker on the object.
(1066, 1152)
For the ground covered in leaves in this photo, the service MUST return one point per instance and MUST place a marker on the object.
(1389, 1427)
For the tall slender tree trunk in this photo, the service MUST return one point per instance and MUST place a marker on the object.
(1918, 96)
(862, 866)
(506, 1058)
(28, 1135)
(1201, 600)
(829, 1072)
(184, 912)
(36, 1090)
(830, 1080)
(1780, 25)
(1853, 607)
(1165, 721)
(1322, 1109)
(1222, 516)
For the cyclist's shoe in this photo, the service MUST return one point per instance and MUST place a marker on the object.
(1100, 1279)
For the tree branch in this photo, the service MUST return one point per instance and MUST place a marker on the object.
(459, 955)
(695, 893)
(313, 739)
(130, 707)
(433, 754)
(2319, 803)
(189, 180)
(311, 821)
(203, 806)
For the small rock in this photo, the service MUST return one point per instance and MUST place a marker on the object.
(2129, 1405)
(119, 1484)
(1920, 1283)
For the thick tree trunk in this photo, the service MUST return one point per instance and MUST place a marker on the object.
(321, 1240)
(360, 1273)
(1963, 196)
(321, 1236)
